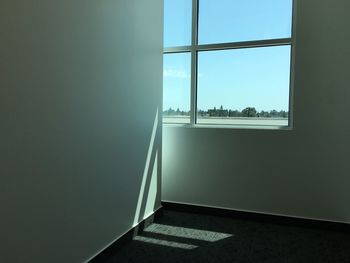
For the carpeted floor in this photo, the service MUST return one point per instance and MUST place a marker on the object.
(184, 237)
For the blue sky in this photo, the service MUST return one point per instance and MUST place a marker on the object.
(255, 77)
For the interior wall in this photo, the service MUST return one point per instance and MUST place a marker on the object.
(303, 172)
(80, 92)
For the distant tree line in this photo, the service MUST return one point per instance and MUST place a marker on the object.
(221, 112)
(178, 112)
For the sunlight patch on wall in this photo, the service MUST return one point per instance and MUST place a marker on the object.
(146, 171)
(152, 194)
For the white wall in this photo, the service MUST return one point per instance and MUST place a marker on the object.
(303, 172)
(80, 85)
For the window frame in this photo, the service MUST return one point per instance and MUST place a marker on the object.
(195, 48)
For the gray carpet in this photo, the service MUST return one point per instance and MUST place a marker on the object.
(185, 237)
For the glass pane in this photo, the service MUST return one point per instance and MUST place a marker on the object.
(244, 86)
(177, 22)
(177, 88)
(223, 21)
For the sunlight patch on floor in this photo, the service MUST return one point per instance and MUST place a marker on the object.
(203, 235)
(164, 242)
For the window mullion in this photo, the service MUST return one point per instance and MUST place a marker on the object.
(194, 58)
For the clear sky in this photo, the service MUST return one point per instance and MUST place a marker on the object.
(235, 79)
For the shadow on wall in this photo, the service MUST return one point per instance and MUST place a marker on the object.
(149, 194)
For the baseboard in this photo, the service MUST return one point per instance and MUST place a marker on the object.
(127, 237)
(258, 217)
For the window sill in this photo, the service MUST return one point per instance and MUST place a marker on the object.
(234, 127)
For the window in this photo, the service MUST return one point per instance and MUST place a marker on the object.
(177, 87)
(227, 62)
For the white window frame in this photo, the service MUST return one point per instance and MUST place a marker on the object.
(194, 48)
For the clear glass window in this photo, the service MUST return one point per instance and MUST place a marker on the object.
(244, 86)
(177, 88)
(222, 21)
(240, 58)
(177, 22)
